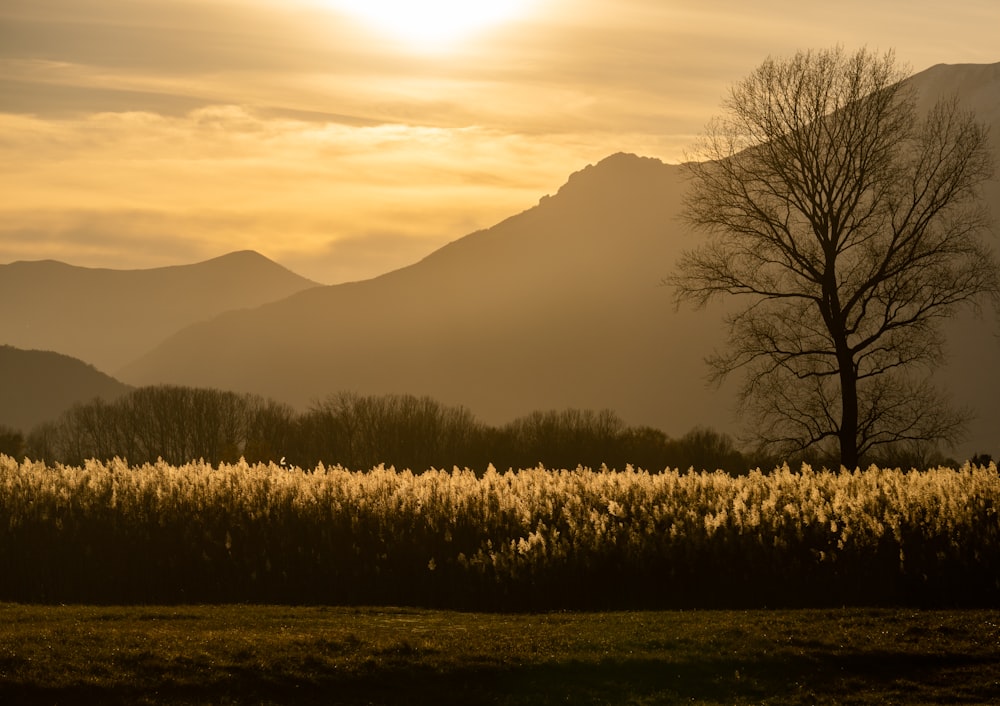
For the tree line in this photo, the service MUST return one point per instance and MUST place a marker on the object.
(183, 424)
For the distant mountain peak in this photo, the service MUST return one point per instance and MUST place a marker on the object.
(242, 256)
(610, 173)
(107, 317)
(617, 162)
(251, 261)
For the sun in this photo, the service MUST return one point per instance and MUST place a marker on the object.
(431, 23)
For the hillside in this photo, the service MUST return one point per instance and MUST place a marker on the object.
(109, 317)
(39, 385)
(559, 306)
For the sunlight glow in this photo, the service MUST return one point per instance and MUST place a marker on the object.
(431, 23)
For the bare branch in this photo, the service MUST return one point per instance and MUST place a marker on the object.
(851, 227)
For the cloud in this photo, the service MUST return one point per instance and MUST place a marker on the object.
(363, 256)
(117, 239)
(137, 129)
(570, 66)
(224, 177)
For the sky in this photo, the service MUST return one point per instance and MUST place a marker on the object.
(345, 139)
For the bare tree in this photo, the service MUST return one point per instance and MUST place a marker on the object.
(850, 226)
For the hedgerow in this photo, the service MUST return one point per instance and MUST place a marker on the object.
(528, 539)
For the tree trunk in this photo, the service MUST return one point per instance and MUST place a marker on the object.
(837, 326)
(848, 411)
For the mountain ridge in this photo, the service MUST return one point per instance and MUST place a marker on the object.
(107, 317)
(44, 384)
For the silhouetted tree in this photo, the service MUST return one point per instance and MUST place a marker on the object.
(981, 460)
(564, 439)
(177, 424)
(41, 443)
(851, 228)
(704, 449)
(181, 424)
(271, 431)
(647, 448)
(11, 442)
(919, 455)
(363, 431)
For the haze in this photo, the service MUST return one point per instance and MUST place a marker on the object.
(139, 134)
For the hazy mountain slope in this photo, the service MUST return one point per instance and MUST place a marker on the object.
(972, 372)
(558, 306)
(38, 386)
(109, 317)
(975, 84)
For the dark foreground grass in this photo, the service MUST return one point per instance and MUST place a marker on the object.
(238, 654)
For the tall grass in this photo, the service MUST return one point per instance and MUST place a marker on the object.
(530, 539)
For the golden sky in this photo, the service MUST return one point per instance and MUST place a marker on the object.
(140, 133)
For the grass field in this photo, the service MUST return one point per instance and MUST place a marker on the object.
(240, 654)
(527, 540)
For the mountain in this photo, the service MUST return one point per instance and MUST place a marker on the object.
(38, 386)
(559, 306)
(110, 317)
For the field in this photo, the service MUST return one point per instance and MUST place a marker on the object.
(261, 584)
(303, 655)
(534, 539)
